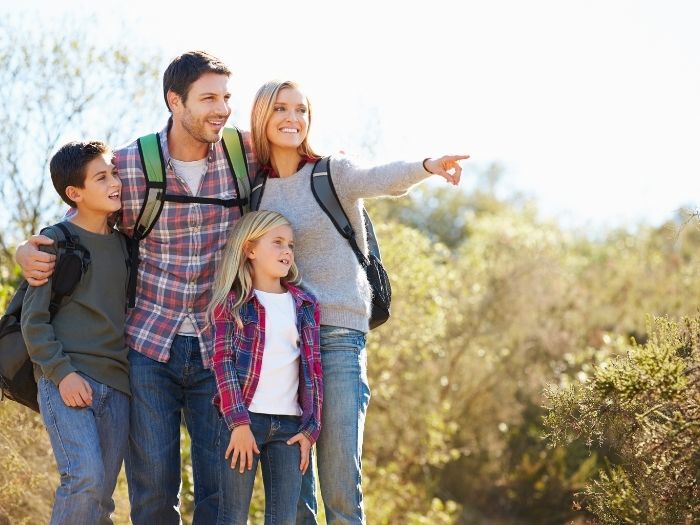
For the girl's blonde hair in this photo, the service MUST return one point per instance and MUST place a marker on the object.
(263, 106)
(235, 271)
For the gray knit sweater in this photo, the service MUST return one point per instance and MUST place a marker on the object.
(328, 266)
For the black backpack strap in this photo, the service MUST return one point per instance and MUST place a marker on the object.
(63, 283)
(226, 203)
(327, 198)
(256, 193)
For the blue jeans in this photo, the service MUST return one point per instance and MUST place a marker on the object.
(280, 469)
(162, 395)
(89, 444)
(339, 447)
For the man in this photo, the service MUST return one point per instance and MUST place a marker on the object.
(170, 349)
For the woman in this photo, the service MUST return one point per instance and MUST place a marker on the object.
(279, 127)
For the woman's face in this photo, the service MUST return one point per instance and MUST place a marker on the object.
(289, 121)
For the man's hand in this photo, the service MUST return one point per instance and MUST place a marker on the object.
(446, 166)
(305, 445)
(37, 266)
(241, 447)
(75, 391)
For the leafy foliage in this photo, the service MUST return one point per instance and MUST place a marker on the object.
(646, 404)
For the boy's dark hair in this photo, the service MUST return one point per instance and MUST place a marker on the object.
(186, 69)
(68, 164)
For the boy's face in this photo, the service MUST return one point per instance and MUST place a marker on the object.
(101, 192)
(207, 108)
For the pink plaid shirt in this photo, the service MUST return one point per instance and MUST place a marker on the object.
(238, 356)
(179, 256)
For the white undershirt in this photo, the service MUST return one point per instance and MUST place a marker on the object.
(278, 387)
(191, 173)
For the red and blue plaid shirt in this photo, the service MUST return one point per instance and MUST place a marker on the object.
(179, 256)
(238, 355)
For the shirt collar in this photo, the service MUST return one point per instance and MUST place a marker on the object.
(269, 172)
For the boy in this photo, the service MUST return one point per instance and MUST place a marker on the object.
(80, 357)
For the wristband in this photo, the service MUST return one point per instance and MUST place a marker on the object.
(426, 169)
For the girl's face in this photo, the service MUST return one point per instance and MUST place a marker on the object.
(272, 254)
(289, 122)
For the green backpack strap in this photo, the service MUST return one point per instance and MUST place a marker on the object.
(154, 173)
(235, 154)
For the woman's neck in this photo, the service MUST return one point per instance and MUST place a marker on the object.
(285, 162)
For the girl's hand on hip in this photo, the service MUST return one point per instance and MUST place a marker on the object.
(305, 445)
(446, 166)
(241, 447)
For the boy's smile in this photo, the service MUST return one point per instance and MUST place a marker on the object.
(101, 191)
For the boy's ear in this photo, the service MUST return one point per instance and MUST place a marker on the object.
(74, 193)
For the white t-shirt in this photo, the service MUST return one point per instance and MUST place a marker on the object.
(191, 172)
(278, 387)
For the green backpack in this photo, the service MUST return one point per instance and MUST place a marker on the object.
(156, 191)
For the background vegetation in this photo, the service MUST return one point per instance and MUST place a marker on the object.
(529, 374)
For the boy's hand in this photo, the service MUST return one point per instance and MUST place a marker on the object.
(241, 447)
(75, 391)
(37, 266)
(305, 445)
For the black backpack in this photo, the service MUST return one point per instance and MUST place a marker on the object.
(16, 369)
(324, 193)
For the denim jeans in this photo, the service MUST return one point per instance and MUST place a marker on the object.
(89, 444)
(339, 448)
(280, 469)
(162, 395)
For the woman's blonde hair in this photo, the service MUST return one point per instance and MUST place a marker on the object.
(235, 271)
(263, 106)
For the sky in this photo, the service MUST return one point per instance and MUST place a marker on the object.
(590, 107)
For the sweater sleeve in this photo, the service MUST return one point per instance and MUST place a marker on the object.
(38, 332)
(394, 179)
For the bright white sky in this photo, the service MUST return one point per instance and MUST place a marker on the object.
(591, 106)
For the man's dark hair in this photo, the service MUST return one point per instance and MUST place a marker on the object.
(68, 164)
(186, 69)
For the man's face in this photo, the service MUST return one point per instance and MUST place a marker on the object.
(206, 111)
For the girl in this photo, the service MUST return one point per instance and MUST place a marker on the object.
(267, 367)
(279, 126)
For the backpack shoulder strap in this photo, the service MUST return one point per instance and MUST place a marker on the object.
(64, 282)
(155, 174)
(235, 155)
(257, 190)
(327, 198)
